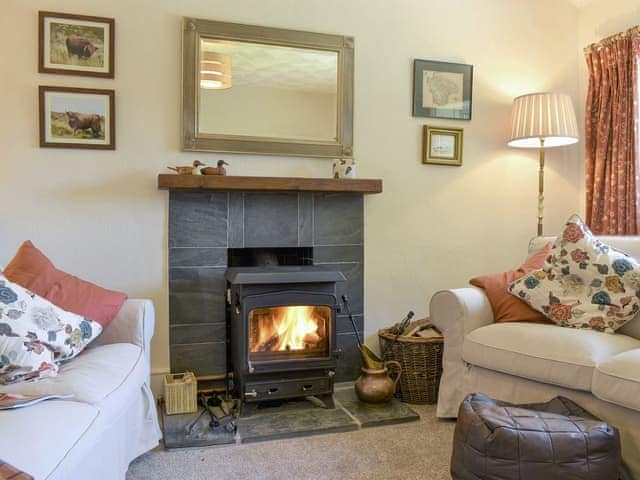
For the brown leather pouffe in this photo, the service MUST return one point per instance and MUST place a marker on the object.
(557, 440)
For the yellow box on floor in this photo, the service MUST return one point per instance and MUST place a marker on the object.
(180, 392)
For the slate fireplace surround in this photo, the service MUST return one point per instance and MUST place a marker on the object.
(208, 228)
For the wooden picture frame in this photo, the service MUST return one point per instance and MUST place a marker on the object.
(77, 118)
(76, 44)
(442, 89)
(442, 146)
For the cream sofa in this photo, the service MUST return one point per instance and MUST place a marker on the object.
(525, 362)
(111, 418)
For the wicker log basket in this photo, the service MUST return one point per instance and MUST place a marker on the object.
(421, 361)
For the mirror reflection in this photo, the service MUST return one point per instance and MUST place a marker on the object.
(261, 90)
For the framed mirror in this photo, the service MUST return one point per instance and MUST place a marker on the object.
(251, 89)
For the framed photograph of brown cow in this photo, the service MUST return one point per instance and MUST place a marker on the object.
(77, 118)
(76, 44)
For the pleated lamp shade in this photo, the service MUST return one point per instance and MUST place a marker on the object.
(547, 116)
(215, 71)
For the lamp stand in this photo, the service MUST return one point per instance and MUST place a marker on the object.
(541, 188)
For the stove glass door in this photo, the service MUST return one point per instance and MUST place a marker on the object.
(289, 332)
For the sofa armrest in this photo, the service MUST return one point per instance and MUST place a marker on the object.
(134, 323)
(459, 311)
(456, 313)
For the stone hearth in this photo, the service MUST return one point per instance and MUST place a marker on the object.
(203, 225)
(291, 419)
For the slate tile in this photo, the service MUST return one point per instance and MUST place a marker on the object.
(197, 257)
(182, 334)
(353, 286)
(290, 424)
(180, 430)
(349, 362)
(191, 308)
(391, 413)
(236, 220)
(196, 295)
(199, 358)
(343, 324)
(338, 219)
(197, 219)
(271, 220)
(305, 219)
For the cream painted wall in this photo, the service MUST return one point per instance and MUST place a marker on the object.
(598, 20)
(99, 215)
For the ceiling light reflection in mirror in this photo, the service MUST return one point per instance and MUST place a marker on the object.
(215, 71)
(260, 90)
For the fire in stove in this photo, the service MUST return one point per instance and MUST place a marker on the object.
(299, 328)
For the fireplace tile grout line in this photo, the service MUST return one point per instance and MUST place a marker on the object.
(220, 267)
(197, 324)
(339, 245)
(298, 220)
(337, 263)
(256, 246)
(243, 220)
(313, 219)
(346, 410)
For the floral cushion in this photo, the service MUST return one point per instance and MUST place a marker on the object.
(584, 283)
(26, 315)
(23, 359)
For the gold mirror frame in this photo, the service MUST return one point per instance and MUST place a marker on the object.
(193, 140)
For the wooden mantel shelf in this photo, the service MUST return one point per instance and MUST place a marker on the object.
(167, 181)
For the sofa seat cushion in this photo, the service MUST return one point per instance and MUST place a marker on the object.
(37, 438)
(545, 353)
(617, 379)
(93, 375)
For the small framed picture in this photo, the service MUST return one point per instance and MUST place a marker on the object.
(77, 118)
(76, 44)
(442, 146)
(442, 89)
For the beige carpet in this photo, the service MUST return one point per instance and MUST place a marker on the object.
(417, 450)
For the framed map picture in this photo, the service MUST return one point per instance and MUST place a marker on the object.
(442, 89)
(442, 146)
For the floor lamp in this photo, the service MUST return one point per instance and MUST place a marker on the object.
(542, 120)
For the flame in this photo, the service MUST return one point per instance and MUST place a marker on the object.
(287, 328)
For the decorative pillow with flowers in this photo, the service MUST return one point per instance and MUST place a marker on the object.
(26, 315)
(23, 359)
(584, 282)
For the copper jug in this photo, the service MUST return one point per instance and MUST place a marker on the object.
(375, 386)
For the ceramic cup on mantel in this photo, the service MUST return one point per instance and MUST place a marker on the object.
(344, 168)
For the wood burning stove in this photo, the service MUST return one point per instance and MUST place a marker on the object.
(282, 331)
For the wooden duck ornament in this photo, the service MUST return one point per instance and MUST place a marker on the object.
(219, 170)
(189, 170)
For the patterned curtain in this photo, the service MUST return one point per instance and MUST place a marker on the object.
(611, 139)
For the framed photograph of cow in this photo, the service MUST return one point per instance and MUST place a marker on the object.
(77, 118)
(76, 44)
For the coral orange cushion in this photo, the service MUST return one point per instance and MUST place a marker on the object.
(506, 307)
(32, 269)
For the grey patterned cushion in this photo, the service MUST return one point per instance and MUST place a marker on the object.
(557, 440)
